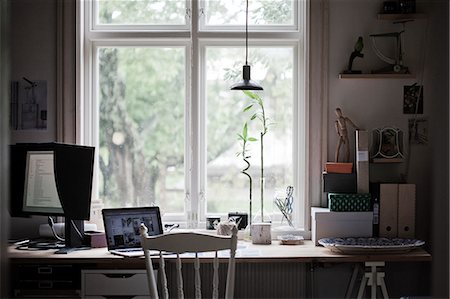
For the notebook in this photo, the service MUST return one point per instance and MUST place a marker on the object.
(122, 229)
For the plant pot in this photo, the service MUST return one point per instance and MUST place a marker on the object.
(261, 233)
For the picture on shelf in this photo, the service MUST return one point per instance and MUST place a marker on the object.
(413, 99)
(418, 131)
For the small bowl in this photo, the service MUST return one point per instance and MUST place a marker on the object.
(290, 240)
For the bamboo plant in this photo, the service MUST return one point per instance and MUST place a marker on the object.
(260, 115)
(244, 138)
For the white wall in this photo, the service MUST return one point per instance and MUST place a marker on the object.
(4, 142)
(33, 40)
(33, 55)
(375, 103)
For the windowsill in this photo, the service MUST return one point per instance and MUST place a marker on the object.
(243, 234)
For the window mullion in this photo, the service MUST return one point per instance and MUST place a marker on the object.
(196, 204)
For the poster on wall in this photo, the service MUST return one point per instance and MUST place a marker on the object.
(418, 131)
(413, 99)
(28, 105)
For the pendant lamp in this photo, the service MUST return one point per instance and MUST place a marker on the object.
(246, 83)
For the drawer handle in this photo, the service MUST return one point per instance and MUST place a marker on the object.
(45, 270)
(47, 284)
(119, 275)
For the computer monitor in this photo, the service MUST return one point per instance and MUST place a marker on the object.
(53, 179)
(40, 194)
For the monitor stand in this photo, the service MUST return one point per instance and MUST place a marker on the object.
(74, 236)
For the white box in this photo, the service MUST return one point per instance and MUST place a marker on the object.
(326, 224)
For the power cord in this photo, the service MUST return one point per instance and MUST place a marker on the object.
(51, 223)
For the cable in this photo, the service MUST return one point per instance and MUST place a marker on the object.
(76, 229)
(52, 227)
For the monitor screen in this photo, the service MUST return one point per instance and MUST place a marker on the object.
(40, 193)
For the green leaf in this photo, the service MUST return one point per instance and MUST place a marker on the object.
(250, 94)
(253, 117)
(244, 131)
(247, 108)
(241, 137)
(252, 139)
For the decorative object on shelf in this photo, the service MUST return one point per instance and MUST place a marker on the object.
(246, 83)
(284, 204)
(387, 143)
(370, 245)
(407, 6)
(418, 131)
(390, 7)
(356, 53)
(341, 129)
(396, 63)
(413, 99)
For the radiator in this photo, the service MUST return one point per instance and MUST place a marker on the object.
(253, 280)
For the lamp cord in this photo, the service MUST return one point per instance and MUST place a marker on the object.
(246, 33)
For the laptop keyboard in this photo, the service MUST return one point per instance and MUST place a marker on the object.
(130, 250)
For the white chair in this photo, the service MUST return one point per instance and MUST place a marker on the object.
(185, 242)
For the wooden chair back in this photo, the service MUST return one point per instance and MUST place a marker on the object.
(188, 242)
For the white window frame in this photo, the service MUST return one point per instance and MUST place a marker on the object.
(96, 26)
(297, 10)
(196, 41)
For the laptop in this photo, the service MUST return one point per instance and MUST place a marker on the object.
(122, 229)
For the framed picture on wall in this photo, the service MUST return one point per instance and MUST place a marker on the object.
(413, 99)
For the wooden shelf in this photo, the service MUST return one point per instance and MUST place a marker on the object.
(376, 76)
(385, 160)
(398, 17)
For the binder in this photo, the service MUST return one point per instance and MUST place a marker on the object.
(406, 210)
(362, 161)
(388, 210)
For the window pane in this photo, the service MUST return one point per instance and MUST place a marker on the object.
(141, 130)
(227, 187)
(261, 12)
(142, 12)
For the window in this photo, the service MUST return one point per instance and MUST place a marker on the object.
(158, 107)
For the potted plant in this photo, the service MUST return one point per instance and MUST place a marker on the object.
(258, 114)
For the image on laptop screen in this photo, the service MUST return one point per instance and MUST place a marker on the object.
(122, 225)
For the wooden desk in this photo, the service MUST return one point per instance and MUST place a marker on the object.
(264, 258)
(305, 253)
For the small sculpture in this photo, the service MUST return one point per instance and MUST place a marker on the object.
(356, 53)
(341, 129)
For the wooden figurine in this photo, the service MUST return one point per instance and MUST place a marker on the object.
(341, 129)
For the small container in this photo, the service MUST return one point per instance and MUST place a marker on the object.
(290, 240)
(331, 167)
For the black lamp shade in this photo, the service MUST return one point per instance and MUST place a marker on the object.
(246, 83)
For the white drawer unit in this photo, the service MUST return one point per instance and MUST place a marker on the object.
(112, 283)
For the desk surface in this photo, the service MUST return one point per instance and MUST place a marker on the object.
(246, 252)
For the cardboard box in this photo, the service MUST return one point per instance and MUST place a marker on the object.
(339, 182)
(349, 202)
(326, 224)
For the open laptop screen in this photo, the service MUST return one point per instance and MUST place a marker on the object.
(122, 225)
